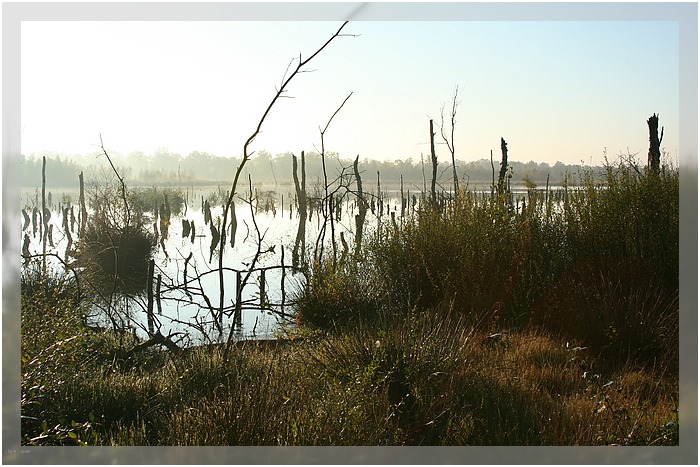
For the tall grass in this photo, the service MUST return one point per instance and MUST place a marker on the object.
(601, 267)
(586, 306)
(413, 379)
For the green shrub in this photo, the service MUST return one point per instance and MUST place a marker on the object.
(115, 258)
(335, 297)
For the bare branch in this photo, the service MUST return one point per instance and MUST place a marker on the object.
(334, 113)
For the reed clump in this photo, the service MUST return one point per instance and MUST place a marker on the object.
(600, 267)
(337, 296)
(115, 249)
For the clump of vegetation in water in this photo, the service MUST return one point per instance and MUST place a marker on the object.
(150, 200)
(116, 246)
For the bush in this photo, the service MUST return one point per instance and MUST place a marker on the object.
(115, 258)
(336, 297)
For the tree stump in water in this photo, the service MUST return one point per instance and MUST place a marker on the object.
(654, 160)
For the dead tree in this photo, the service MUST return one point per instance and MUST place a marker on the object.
(83, 210)
(300, 242)
(329, 210)
(504, 168)
(654, 160)
(362, 210)
(451, 141)
(493, 176)
(246, 156)
(433, 159)
(44, 223)
(149, 296)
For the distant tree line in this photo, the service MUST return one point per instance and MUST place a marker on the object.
(201, 168)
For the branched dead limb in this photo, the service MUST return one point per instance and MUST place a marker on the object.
(279, 93)
(156, 339)
(327, 208)
(451, 142)
(127, 211)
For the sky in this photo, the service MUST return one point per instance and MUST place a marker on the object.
(567, 91)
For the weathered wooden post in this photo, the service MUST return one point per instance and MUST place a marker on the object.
(215, 236)
(25, 249)
(238, 312)
(504, 168)
(26, 220)
(234, 223)
(282, 280)
(654, 159)
(300, 242)
(35, 220)
(433, 158)
(164, 215)
(160, 306)
(380, 201)
(262, 289)
(362, 209)
(403, 200)
(66, 227)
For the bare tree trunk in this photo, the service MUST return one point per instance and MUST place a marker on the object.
(504, 168)
(300, 242)
(149, 295)
(282, 280)
(44, 220)
(362, 209)
(403, 199)
(654, 160)
(66, 227)
(329, 206)
(433, 158)
(493, 176)
(244, 160)
(83, 210)
(451, 142)
(380, 200)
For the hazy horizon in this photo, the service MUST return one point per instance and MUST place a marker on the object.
(555, 90)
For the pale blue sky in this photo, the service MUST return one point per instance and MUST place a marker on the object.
(554, 90)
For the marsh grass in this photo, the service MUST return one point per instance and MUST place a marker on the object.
(337, 296)
(601, 267)
(400, 351)
(413, 379)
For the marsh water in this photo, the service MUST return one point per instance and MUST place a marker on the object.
(272, 217)
(267, 297)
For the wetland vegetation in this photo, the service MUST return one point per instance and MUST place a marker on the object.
(434, 312)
